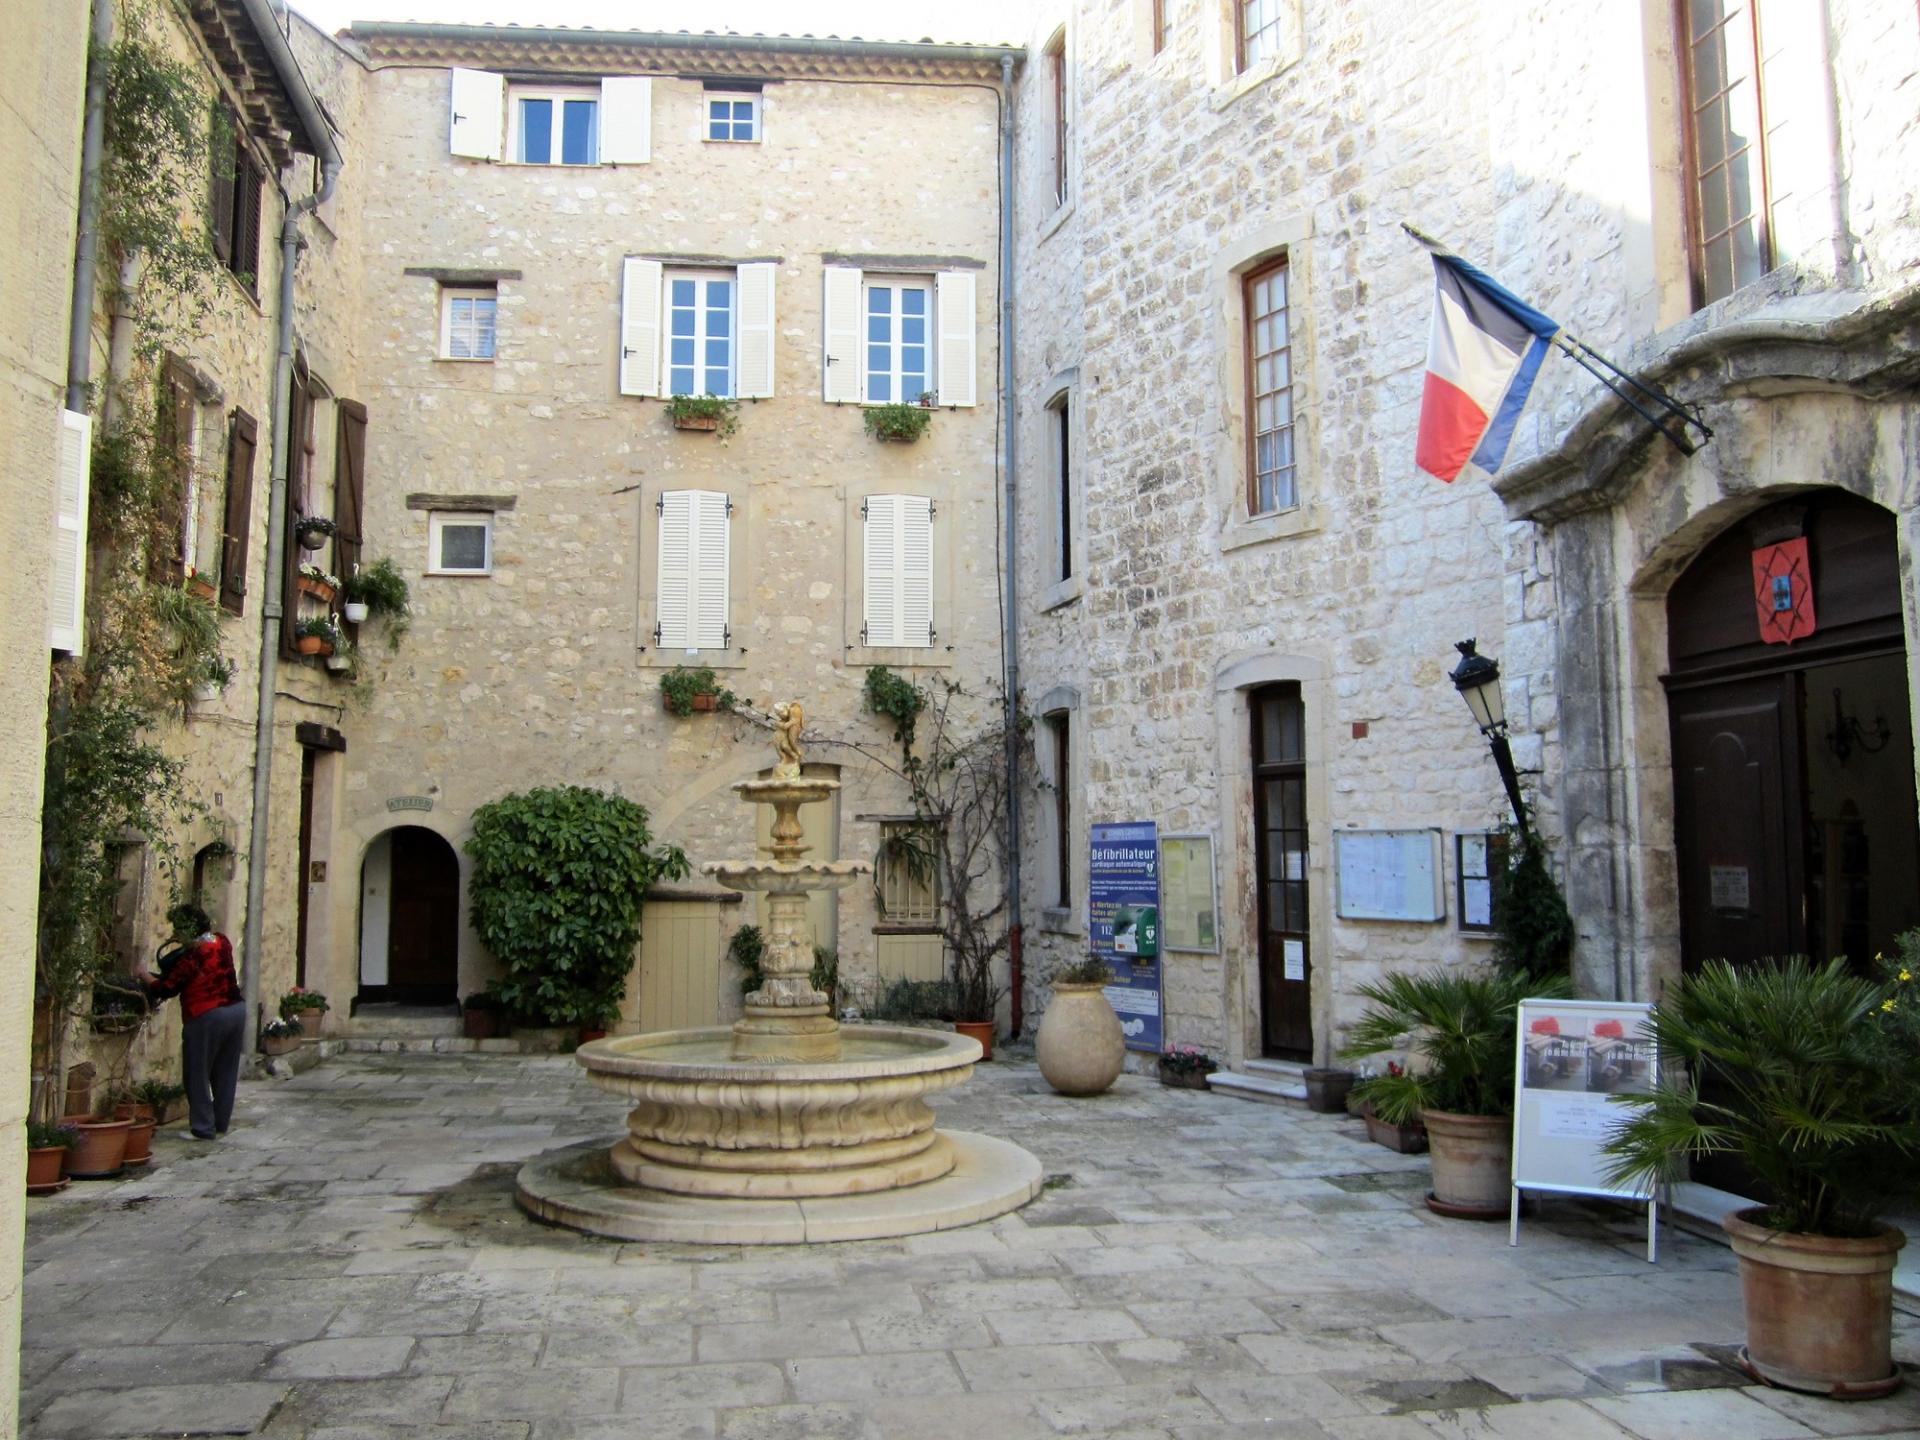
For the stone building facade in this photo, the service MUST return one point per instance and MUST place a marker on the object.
(1178, 173)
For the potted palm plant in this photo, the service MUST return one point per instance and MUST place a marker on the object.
(1460, 1028)
(1805, 1073)
(1079, 1044)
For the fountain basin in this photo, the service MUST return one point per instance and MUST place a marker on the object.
(787, 877)
(710, 1125)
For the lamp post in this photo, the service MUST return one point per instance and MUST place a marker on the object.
(1477, 678)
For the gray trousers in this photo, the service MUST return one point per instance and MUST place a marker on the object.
(212, 1045)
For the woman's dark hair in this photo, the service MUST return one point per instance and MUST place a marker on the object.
(187, 918)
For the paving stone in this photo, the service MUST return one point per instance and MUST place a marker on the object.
(865, 1377)
(680, 1386)
(798, 1422)
(135, 1365)
(1036, 1367)
(386, 1401)
(220, 1408)
(882, 1333)
(1685, 1414)
(1083, 1324)
(534, 1394)
(474, 1354)
(1559, 1419)
(626, 1345)
(1123, 1409)
(343, 1359)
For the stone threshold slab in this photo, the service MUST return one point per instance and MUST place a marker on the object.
(578, 1188)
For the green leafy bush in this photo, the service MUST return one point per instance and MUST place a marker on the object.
(1534, 931)
(680, 685)
(724, 412)
(51, 1135)
(1465, 1027)
(896, 422)
(384, 591)
(1090, 971)
(559, 878)
(1811, 1085)
(908, 1000)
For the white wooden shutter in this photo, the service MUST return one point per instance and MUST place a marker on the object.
(477, 112)
(67, 595)
(640, 327)
(954, 303)
(898, 610)
(842, 326)
(626, 120)
(754, 367)
(710, 566)
(675, 571)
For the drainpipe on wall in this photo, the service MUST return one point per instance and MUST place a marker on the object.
(265, 24)
(86, 250)
(1010, 640)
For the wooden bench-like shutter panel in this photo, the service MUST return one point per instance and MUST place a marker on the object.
(640, 327)
(842, 329)
(236, 526)
(955, 303)
(293, 466)
(626, 120)
(248, 183)
(754, 369)
(349, 487)
(220, 151)
(476, 114)
(67, 581)
(673, 576)
(711, 566)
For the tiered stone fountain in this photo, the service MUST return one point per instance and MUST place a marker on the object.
(782, 1128)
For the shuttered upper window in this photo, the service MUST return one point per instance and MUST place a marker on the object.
(571, 125)
(898, 577)
(692, 575)
(899, 354)
(697, 332)
(233, 194)
(554, 127)
(888, 339)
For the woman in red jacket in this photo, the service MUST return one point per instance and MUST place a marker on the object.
(199, 969)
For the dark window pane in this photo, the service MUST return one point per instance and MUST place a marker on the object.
(577, 139)
(463, 547)
(536, 131)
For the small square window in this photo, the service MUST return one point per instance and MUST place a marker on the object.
(555, 127)
(733, 115)
(467, 323)
(460, 543)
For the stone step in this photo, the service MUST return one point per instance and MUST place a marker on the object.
(404, 1022)
(1267, 1088)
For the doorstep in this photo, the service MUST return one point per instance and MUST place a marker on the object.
(449, 1045)
(1697, 1209)
(1272, 1082)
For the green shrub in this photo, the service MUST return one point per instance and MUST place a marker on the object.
(897, 422)
(559, 878)
(680, 684)
(908, 1000)
(1090, 971)
(1534, 932)
(706, 407)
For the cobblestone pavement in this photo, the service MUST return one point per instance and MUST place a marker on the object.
(349, 1265)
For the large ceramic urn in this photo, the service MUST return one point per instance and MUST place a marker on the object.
(1080, 1047)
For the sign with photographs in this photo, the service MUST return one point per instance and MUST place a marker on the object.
(1574, 1057)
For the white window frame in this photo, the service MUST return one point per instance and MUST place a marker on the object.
(448, 295)
(930, 343)
(558, 94)
(438, 520)
(700, 337)
(752, 97)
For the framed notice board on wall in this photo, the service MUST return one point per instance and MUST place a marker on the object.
(1388, 875)
(1189, 899)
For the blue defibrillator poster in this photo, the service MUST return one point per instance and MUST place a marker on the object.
(1123, 916)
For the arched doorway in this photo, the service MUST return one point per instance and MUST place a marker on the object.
(1793, 762)
(410, 918)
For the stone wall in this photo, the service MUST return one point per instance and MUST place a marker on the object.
(546, 672)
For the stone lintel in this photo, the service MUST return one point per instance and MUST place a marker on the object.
(903, 262)
(431, 500)
(689, 258)
(461, 275)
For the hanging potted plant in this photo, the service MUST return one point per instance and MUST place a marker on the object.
(1079, 1044)
(704, 412)
(684, 691)
(345, 654)
(1805, 1074)
(318, 635)
(313, 531)
(215, 676)
(378, 589)
(48, 1146)
(901, 423)
(1463, 1027)
(318, 583)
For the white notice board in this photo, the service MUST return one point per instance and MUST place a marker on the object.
(1388, 875)
(1571, 1058)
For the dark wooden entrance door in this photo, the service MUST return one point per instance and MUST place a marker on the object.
(1737, 820)
(1280, 854)
(423, 935)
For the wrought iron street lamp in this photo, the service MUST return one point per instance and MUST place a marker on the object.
(1477, 678)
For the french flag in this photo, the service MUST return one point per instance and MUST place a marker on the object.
(1482, 356)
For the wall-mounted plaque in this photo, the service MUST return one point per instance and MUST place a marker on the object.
(1388, 875)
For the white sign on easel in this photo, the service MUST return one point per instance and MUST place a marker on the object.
(1573, 1056)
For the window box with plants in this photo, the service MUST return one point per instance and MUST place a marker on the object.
(1186, 1067)
(378, 590)
(199, 586)
(318, 583)
(684, 691)
(311, 532)
(715, 413)
(1806, 1074)
(1464, 1026)
(901, 423)
(317, 636)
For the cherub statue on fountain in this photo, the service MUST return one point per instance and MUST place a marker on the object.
(788, 718)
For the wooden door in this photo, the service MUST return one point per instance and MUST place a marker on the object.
(1280, 855)
(305, 872)
(423, 933)
(1738, 831)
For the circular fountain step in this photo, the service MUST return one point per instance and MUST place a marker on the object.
(579, 1188)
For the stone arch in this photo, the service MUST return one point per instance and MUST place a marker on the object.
(408, 940)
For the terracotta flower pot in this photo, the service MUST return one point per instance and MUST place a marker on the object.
(1472, 1164)
(44, 1169)
(102, 1149)
(139, 1142)
(981, 1030)
(1819, 1309)
(1079, 1044)
(198, 588)
(696, 422)
(319, 589)
(591, 1033)
(312, 1022)
(1401, 1139)
(279, 1044)
(706, 700)
(480, 1024)
(312, 645)
(1184, 1079)
(134, 1110)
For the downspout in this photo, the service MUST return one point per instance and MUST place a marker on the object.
(260, 13)
(1010, 639)
(86, 250)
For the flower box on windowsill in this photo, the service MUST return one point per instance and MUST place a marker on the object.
(198, 588)
(313, 645)
(696, 422)
(319, 589)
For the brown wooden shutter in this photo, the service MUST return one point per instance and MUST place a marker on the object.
(173, 437)
(246, 208)
(349, 486)
(237, 526)
(220, 155)
(299, 418)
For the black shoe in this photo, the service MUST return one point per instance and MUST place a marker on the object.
(198, 1135)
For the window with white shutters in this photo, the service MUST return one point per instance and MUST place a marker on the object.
(67, 595)
(899, 350)
(888, 339)
(699, 317)
(692, 574)
(476, 104)
(898, 576)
